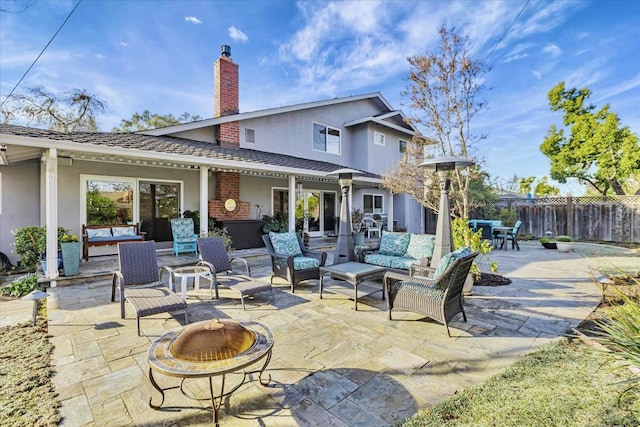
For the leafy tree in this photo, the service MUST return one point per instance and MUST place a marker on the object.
(597, 150)
(75, 110)
(541, 189)
(147, 120)
(101, 210)
(444, 90)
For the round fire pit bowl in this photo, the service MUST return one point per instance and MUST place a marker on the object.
(208, 349)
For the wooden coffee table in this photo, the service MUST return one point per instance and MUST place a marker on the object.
(354, 273)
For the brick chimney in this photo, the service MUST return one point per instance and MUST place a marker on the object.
(226, 97)
(225, 74)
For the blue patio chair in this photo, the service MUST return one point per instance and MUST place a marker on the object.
(184, 239)
(511, 235)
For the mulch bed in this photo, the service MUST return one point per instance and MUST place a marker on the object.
(490, 279)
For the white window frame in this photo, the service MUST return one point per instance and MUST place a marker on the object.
(379, 138)
(373, 204)
(135, 183)
(327, 128)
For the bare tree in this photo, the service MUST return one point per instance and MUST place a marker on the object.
(75, 110)
(444, 91)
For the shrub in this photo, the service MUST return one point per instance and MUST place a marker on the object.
(31, 244)
(621, 332)
(20, 286)
(465, 236)
(562, 238)
(221, 232)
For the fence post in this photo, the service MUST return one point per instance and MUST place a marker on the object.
(570, 216)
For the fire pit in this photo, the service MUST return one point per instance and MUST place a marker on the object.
(208, 349)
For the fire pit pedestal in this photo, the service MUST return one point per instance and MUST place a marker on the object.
(209, 349)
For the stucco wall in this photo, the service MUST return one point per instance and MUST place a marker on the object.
(23, 180)
(292, 133)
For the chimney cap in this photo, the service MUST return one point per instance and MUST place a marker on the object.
(225, 51)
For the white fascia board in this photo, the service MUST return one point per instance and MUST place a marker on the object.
(260, 113)
(381, 123)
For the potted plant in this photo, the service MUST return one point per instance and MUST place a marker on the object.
(465, 236)
(357, 227)
(564, 243)
(70, 248)
(548, 243)
(31, 245)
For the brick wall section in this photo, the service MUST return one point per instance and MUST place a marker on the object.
(229, 134)
(226, 87)
(228, 186)
(217, 210)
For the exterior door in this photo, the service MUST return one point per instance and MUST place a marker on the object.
(320, 209)
(159, 202)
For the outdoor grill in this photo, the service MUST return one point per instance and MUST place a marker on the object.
(208, 349)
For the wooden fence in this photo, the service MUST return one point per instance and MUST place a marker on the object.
(612, 219)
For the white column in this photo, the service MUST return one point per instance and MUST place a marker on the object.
(390, 211)
(292, 203)
(204, 200)
(51, 212)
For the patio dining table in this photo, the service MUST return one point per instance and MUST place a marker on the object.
(504, 231)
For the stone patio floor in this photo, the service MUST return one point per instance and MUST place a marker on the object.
(331, 365)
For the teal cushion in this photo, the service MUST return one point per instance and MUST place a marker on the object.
(285, 243)
(402, 263)
(421, 289)
(182, 228)
(448, 259)
(394, 244)
(379, 259)
(421, 246)
(305, 263)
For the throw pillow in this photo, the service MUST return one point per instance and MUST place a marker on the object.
(394, 244)
(285, 243)
(421, 245)
(98, 232)
(448, 259)
(123, 231)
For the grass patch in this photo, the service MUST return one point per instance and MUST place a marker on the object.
(27, 396)
(565, 383)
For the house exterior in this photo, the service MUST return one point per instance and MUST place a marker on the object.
(234, 166)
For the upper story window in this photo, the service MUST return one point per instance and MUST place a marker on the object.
(378, 138)
(402, 146)
(326, 139)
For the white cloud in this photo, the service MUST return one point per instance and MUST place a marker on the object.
(124, 44)
(537, 74)
(552, 49)
(193, 20)
(99, 56)
(238, 35)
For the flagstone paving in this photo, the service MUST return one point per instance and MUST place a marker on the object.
(331, 365)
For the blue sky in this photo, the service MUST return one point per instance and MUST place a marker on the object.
(158, 55)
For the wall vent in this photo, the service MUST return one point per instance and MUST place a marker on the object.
(250, 136)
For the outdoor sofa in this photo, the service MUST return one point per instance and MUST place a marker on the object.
(398, 251)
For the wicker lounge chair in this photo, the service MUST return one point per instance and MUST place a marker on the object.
(139, 266)
(213, 255)
(440, 298)
(298, 264)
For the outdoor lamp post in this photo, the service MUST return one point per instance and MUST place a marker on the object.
(36, 296)
(444, 237)
(344, 245)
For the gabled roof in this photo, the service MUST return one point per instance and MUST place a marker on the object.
(383, 120)
(167, 149)
(375, 96)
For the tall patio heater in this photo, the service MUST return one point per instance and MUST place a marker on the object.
(344, 245)
(444, 237)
